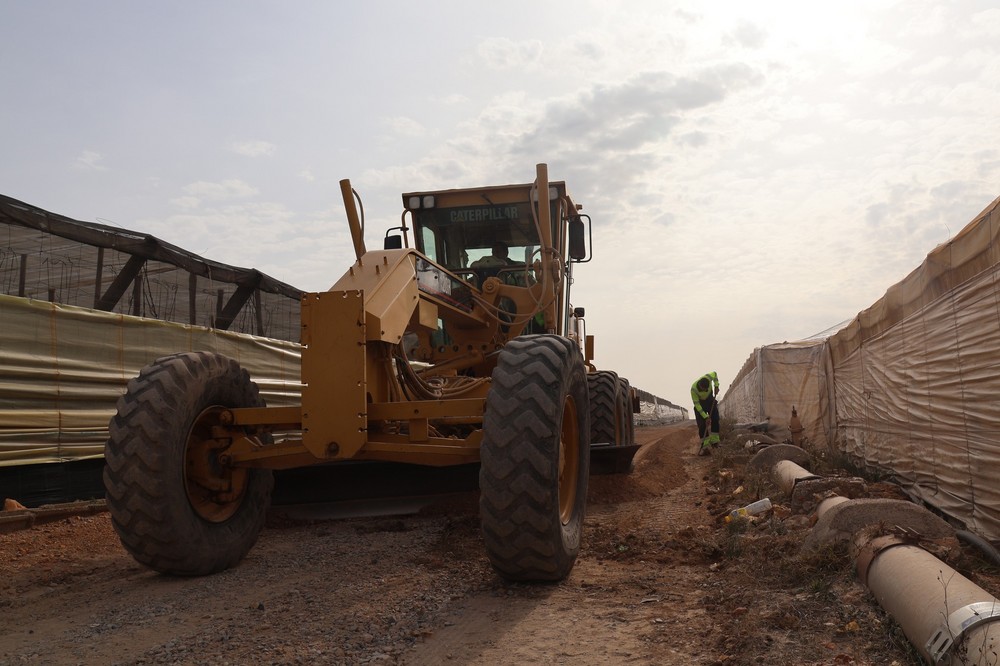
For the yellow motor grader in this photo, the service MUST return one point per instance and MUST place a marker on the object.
(461, 348)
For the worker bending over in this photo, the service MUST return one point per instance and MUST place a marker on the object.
(706, 411)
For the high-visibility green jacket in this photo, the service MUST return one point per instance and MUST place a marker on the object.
(697, 395)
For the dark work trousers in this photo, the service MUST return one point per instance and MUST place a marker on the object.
(711, 407)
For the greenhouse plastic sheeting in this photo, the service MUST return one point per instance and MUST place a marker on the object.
(776, 378)
(915, 379)
(918, 375)
(63, 368)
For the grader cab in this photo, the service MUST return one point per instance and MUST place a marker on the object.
(462, 348)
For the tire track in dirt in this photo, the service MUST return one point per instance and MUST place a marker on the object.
(619, 605)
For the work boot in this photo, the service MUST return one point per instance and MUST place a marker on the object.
(713, 440)
(705, 451)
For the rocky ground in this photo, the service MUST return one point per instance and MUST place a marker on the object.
(660, 580)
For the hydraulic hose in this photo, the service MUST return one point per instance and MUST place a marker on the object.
(982, 544)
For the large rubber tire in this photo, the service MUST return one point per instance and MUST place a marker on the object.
(605, 410)
(625, 412)
(535, 457)
(167, 518)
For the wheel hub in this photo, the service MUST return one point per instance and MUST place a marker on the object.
(215, 490)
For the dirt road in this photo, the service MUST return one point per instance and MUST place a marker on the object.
(659, 581)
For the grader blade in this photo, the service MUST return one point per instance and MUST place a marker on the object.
(608, 459)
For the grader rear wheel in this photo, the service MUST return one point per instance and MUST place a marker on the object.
(612, 437)
(177, 509)
(623, 412)
(535, 459)
(605, 408)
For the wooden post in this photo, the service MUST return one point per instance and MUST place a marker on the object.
(23, 276)
(98, 276)
(192, 299)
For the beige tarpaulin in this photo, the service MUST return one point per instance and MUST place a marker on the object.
(916, 379)
(62, 369)
(778, 377)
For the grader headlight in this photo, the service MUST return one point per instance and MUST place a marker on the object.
(420, 202)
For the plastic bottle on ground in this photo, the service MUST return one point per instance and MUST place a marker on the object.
(752, 509)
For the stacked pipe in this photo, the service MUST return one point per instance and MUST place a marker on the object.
(949, 619)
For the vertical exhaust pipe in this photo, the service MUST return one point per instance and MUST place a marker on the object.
(353, 219)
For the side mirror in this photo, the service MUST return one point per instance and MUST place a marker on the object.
(577, 239)
(395, 242)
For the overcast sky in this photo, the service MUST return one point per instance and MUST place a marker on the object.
(756, 171)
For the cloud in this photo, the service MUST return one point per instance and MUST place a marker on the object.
(186, 202)
(748, 35)
(228, 232)
(503, 53)
(307, 175)
(300, 245)
(253, 148)
(589, 49)
(616, 137)
(204, 191)
(612, 140)
(89, 160)
(403, 126)
(629, 115)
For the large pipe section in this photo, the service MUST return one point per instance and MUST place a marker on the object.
(948, 618)
(786, 474)
(828, 504)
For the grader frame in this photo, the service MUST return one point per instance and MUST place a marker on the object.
(417, 355)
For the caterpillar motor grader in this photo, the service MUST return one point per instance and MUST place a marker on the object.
(435, 354)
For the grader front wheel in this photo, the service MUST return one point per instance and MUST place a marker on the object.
(535, 459)
(176, 507)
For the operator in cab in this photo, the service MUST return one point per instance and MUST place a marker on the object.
(493, 265)
(498, 259)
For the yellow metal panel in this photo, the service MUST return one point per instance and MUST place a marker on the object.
(438, 452)
(282, 455)
(430, 409)
(427, 315)
(285, 416)
(333, 374)
(497, 194)
(389, 282)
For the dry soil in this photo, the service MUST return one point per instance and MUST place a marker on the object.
(659, 581)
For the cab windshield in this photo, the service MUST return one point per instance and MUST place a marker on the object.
(458, 238)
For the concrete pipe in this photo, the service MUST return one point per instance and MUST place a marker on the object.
(828, 504)
(947, 617)
(787, 473)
